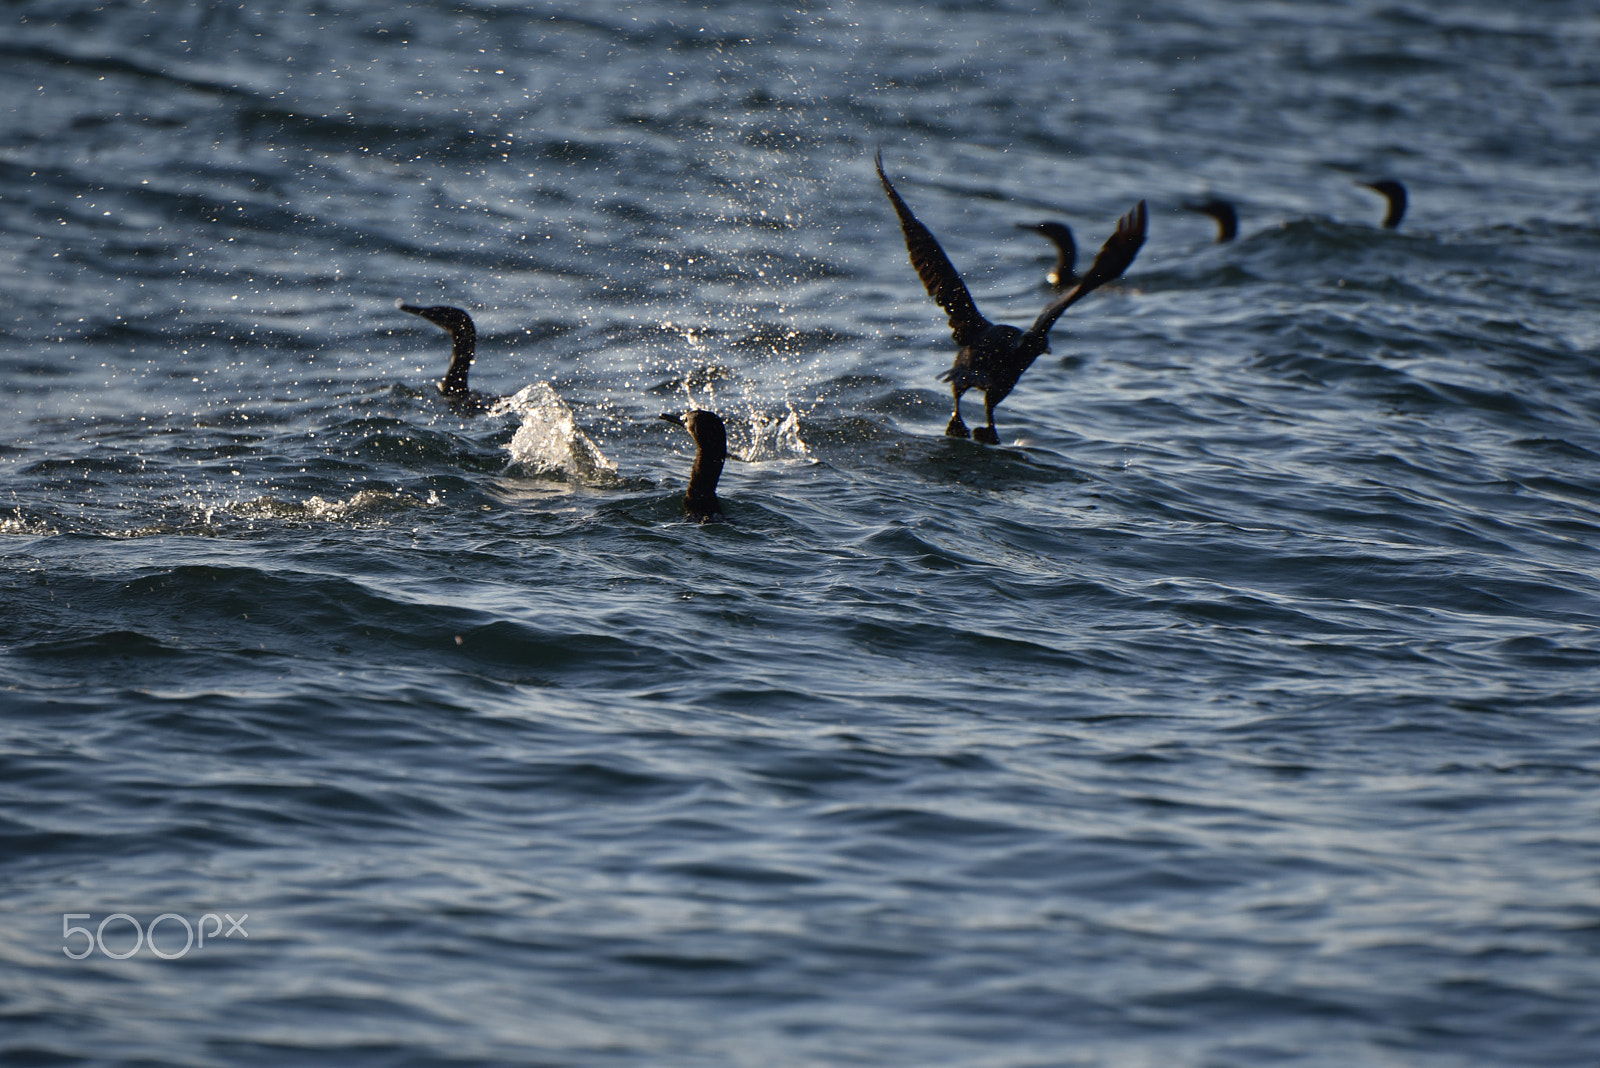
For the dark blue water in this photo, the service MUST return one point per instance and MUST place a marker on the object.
(1241, 708)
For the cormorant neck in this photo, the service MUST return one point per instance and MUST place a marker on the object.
(454, 383)
(1395, 194)
(1226, 217)
(1227, 226)
(701, 500)
(710, 451)
(1397, 210)
(1065, 271)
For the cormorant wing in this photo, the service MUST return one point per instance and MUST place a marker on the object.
(1115, 256)
(938, 274)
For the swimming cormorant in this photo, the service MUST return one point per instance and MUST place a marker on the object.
(710, 451)
(992, 357)
(1395, 194)
(1065, 272)
(464, 340)
(1220, 210)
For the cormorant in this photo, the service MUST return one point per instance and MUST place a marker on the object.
(710, 451)
(1395, 194)
(1220, 210)
(464, 340)
(992, 357)
(1065, 272)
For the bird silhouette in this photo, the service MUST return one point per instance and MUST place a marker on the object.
(992, 357)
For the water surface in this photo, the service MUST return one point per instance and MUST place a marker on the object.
(1238, 709)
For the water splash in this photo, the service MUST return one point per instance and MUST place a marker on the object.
(25, 526)
(775, 437)
(549, 442)
(364, 505)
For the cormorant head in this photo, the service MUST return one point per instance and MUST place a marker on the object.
(458, 322)
(706, 428)
(1220, 210)
(1060, 233)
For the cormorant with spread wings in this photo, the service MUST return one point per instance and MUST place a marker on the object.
(993, 356)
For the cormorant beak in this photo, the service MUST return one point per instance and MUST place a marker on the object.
(671, 418)
(419, 311)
